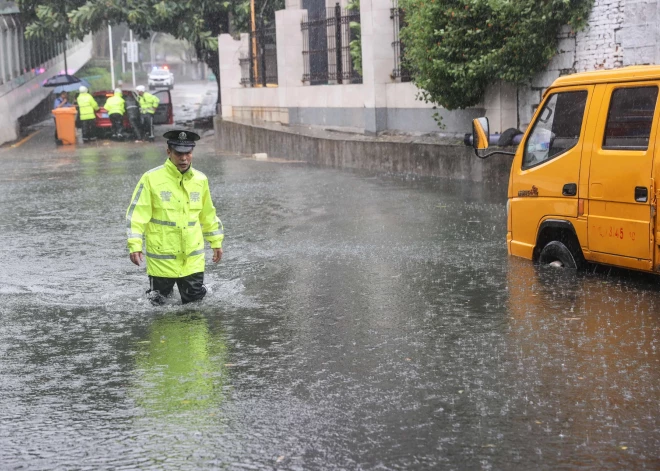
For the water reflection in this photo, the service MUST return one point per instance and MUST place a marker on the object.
(181, 367)
(584, 355)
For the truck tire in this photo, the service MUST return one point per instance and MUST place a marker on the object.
(556, 251)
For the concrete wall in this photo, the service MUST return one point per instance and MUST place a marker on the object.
(20, 95)
(448, 161)
(618, 33)
(639, 35)
(380, 103)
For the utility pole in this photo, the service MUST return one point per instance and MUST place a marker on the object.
(112, 62)
(66, 69)
(152, 49)
(132, 63)
(253, 36)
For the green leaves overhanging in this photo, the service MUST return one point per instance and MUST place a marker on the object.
(456, 48)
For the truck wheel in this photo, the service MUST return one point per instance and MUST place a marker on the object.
(557, 254)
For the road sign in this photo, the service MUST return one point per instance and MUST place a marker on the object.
(132, 51)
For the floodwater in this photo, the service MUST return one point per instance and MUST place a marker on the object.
(356, 321)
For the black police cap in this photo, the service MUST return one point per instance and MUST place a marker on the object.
(181, 140)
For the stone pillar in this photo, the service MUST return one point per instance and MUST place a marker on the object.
(230, 71)
(290, 67)
(500, 103)
(289, 47)
(377, 61)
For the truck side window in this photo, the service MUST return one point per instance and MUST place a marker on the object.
(630, 118)
(557, 128)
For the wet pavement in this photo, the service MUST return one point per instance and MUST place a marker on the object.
(356, 321)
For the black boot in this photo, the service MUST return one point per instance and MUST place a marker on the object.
(155, 298)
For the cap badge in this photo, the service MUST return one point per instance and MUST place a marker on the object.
(182, 136)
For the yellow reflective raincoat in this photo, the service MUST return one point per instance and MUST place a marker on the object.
(86, 106)
(148, 103)
(115, 104)
(175, 213)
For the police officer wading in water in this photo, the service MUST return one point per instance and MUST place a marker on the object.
(172, 208)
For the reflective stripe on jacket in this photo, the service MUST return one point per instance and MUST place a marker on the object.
(115, 104)
(175, 213)
(148, 103)
(87, 106)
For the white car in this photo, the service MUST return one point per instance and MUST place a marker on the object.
(161, 78)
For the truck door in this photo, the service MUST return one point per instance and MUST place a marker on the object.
(545, 177)
(620, 185)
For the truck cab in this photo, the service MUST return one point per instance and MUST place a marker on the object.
(582, 183)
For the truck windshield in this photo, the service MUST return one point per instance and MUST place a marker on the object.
(557, 128)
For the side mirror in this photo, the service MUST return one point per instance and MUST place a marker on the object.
(480, 133)
(480, 137)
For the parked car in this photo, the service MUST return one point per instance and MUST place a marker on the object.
(164, 113)
(161, 77)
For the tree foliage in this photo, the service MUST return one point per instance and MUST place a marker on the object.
(47, 19)
(355, 44)
(456, 48)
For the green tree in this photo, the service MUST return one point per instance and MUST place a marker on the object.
(456, 48)
(47, 19)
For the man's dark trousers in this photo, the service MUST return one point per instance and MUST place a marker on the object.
(191, 288)
(117, 121)
(88, 127)
(148, 125)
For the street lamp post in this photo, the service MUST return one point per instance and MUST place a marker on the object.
(112, 62)
(132, 63)
(151, 48)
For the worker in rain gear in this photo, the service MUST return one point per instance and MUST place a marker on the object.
(87, 108)
(148, 105)
(171, 206)
(115, 106)
(133, 113)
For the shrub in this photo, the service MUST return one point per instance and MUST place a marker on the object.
(456, 48)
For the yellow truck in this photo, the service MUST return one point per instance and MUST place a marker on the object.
(582, 185)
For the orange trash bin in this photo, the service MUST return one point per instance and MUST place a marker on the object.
(65, 123)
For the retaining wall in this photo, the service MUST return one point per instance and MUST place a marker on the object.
(453, 161)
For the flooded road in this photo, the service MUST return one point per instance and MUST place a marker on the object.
(355, 322)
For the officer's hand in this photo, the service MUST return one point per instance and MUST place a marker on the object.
(137, 258)
(217, 255)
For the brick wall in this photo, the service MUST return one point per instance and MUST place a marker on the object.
(598, 46)
(618, 33)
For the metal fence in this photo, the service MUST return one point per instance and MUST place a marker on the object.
(326, 47)
(398, 21)
(20, 56)
(259, 68)
(315, 50)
